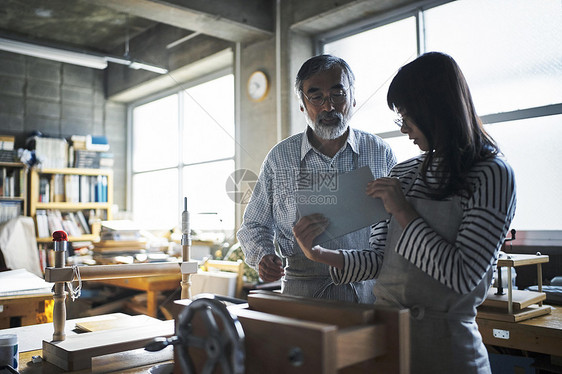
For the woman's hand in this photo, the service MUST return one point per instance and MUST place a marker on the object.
(306, 230)
(393, 199)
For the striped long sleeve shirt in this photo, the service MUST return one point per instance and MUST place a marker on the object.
(487, 215)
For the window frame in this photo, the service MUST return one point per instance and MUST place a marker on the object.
(526, 237)
(180, 165)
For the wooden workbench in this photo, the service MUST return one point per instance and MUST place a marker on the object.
(29, 308)
(30, 342)
(152, 285)
(540, 334)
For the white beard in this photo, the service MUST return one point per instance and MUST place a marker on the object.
(328, 132)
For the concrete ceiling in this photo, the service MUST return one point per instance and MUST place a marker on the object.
(180, 36)
(104, 26)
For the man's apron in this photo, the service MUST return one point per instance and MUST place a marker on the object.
(307, 278)
(444, 334)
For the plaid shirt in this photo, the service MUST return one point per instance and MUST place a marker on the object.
(272, 210)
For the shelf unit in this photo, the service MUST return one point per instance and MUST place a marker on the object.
(65, 206)
(13, 174)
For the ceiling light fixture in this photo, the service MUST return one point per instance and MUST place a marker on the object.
(49, 53)
(136, 64)
(72, 57)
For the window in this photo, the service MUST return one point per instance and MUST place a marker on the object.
(509, 51)
(183, 146)
(389, 47)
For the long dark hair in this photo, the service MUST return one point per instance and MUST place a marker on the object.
(433, 93)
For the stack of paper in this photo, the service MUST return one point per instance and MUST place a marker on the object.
(22, 282)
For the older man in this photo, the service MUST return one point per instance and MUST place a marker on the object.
(325, 87)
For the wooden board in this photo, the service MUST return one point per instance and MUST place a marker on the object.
(336, 313)
(30, 338)
(515, 260)
(76, 352)
(133, 361)
(520, 299)
(115, 321)
(358, 344)
(502, 315)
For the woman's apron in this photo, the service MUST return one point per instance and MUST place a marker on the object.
(307, 278)
(444, 335)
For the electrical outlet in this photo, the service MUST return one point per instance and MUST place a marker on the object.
(500, 334)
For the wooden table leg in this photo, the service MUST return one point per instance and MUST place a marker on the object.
(152, 303)
(539, 280)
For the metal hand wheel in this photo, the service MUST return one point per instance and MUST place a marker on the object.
(222, 343)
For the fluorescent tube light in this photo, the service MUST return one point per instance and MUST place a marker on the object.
(71, 57)
(136, 65)
(140, 65)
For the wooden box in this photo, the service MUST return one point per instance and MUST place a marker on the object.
(287, 334)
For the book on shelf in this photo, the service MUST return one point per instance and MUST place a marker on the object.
(86, 159)
(7, 155)
(84, 188)
(101, 189)
(12, 181)
(54, 220)
(52, 153)
(57, 188)
(42, 223)
(83, 223)
(90, 152)
(97, 143)
(9, 210)
(70, 224)
(74, 223)
(7, 142)
(78, 141)
(72, 188)
(44, 189)
(106, 160)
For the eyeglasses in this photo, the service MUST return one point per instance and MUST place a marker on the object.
(336, 98)
(399, 121)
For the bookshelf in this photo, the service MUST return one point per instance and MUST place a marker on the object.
(79, 196)
(13, 190)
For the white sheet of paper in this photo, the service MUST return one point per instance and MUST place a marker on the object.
(344, 203)
(21, 282)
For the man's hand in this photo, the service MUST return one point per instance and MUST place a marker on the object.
(271, 268)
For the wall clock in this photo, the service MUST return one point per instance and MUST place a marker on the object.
(258, 86)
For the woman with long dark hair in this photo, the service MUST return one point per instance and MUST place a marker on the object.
(450, 207)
